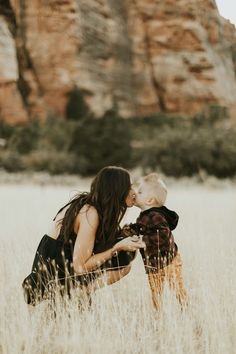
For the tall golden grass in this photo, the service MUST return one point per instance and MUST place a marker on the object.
(121, 318)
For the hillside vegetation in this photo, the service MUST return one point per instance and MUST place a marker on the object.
(177, 146)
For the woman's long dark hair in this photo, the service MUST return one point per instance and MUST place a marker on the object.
(108, 194)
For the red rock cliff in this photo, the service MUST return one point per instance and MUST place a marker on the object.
(140, 56)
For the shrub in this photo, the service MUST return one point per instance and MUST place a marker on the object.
(6, 130)
(210, 116)
(224, 154)
(54, 162)
(187, 149)
(102, 142)
(25, 138)
(55, 134)
(11, 161)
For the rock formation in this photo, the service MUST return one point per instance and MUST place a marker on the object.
(137, 56)
(12, 108)
(183, 49)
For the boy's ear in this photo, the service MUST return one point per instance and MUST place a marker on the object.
(150, 201)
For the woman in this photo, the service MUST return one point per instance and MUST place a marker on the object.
(86, 239)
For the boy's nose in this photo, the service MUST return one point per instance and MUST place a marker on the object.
(133, 195)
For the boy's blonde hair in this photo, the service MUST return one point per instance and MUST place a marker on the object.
(157, 186)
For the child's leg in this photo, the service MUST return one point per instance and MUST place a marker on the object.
(173, 274)
(156, 282)
(175, 279)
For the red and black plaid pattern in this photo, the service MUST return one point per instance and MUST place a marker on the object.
(160, 246)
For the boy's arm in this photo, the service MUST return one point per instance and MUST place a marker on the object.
(153, 227)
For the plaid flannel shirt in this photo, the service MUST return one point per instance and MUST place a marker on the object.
(160, 245)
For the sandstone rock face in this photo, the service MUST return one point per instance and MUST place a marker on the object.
(11, 105)
(137, 56)
(183, 50)
(47, 44)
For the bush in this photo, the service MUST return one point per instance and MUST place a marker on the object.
(102, 142)
(11, 161)
(224, 154)
(6, 130)
(54, 162)
(25, 138)
(56, 134)
(187, 151)
(210, 116)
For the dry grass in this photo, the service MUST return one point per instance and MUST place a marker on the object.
(121, 319)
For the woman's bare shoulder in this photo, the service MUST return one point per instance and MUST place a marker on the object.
(88, 210)
(88, 214)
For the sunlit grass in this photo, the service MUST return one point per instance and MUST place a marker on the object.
(121, 318)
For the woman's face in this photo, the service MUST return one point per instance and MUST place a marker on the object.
(130, 199)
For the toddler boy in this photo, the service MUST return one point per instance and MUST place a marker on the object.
(156, 222)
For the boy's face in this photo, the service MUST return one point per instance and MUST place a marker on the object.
(142, 195)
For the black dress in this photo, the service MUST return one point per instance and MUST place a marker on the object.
(52, 269)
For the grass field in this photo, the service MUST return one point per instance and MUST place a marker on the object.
(121, 319)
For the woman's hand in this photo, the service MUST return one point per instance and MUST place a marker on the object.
(131, 244)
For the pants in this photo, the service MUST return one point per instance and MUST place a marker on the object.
(173, 275)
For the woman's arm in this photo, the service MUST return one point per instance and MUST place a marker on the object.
(83, 258)
(109, 278)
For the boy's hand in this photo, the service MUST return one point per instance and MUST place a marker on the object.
(127, 231)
